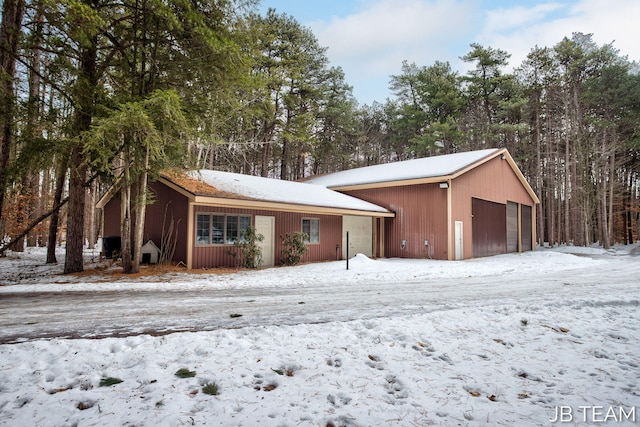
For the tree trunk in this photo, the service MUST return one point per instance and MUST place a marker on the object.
(33, 128)
(12, 12)
(539, 174)
(87, 82)
(125, 215)
(23, 203)
(90, 213)
(74, 261)
(55, 217)
(612, 179)
(567, 178)
(140, 210)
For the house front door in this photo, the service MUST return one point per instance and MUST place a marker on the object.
(266, 225)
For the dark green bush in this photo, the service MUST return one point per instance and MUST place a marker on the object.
(294, 248)
(250, 252)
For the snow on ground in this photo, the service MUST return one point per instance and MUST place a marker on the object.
(503, 362)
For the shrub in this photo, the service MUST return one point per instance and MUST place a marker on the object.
(251, 254)
(294, 248)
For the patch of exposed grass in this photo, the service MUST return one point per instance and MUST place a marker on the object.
(109, 381)
(211, 389)
(185, 373)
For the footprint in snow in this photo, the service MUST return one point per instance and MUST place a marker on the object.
(338, 400)
(336, 363)
(375, 363)
(395, 389)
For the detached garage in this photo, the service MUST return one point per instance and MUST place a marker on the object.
(450, 207)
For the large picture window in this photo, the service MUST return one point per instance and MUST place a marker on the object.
(220, 229)
(311, 227)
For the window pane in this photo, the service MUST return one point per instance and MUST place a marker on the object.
(314, 236)
(217, 229)
(232, 229)
(202, 229)
(245, 222)
(306, 228)
(311, 227)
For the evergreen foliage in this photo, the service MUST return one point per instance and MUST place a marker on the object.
(93, 92)
(250, 252)
(293, 248)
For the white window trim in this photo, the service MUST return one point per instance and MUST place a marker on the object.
(224, 235)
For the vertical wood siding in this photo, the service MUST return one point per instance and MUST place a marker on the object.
(421, 210)
(211, 256)
(493, 181)
(421, 214)
(165, 200)
(329, 248)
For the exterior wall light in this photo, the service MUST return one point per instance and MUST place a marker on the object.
(444, 185)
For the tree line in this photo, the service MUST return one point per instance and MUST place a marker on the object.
(94, 92)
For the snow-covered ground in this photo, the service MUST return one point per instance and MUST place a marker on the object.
(509, 340)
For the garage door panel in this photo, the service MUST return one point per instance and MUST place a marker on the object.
(527, 228)
(360, 230)
(489, 230)
(512, 227)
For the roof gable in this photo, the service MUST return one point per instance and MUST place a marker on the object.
(418, 171)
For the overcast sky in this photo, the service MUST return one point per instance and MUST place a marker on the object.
(369, 39)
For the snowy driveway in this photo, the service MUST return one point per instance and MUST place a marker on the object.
(502, 341)
(295, 295)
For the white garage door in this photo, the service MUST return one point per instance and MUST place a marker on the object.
(360, 230)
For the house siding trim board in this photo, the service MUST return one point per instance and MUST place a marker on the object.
(282, 207)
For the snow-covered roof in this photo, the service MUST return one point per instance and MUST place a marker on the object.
(428, 167)
(248, 187)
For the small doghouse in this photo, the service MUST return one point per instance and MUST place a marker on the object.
(150, 253)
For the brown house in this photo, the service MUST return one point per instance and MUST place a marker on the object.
(449, 207)
(210, 209)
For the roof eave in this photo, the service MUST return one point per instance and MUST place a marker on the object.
(399, 183)
(504, 152)
(287, 207)
(444, 178)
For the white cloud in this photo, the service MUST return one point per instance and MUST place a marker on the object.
(499, 20)
(518, 30)
(374, 41)
(371, 44)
